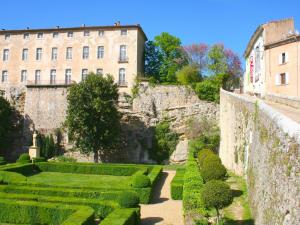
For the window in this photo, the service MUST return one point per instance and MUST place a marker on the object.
(85, 52)
(123, 32)
(101, 33)
(283, 58)
(69, 53)
(40, 35)
(122, 78)
(54, 54)
(100, 53)
(282, 79)
(68, 76)
(25, 54)
(39, 52)
(86, 33)
(26, 36)
(70, 34)
(123, 54)
(55, 35)
(4, 76)
(84, 74)
(5, 54)
(23, 76)
(100, 71)
(7, 36)
(37, 78)
(257, 60)
(52, 76)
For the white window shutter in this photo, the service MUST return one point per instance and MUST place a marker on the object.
(280, 59)
(287, 78)
(277, 79)
(286, 57)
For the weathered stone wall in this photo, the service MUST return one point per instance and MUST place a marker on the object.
(263, 145)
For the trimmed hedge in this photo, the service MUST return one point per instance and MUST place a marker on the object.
(12, 177)
(128, 200)
(2, 161)
(177, 184)
(28, 212)
(99, 169)
(24, 169)
(102, 208)
(140, 181)
(155, 174)
(213, 170)
(203, 154)
(123, 217)
(24, 158)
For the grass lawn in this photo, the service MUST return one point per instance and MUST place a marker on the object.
(80, 180)
(238, 213)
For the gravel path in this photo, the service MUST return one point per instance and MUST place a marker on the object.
(163, 210)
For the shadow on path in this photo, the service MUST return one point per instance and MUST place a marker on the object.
(157, 190)
(151, 220)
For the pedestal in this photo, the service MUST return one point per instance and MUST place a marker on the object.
(34, 152)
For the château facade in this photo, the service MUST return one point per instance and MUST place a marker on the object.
(61, 56)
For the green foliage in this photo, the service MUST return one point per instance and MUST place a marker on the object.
(28, 212)
(188, 75)
(216, 194)
(123, 217)
(24, 158)
(155, 174)
(217, 61)
(66, 159)
(211, 141)
(39, 159)
(164, 142)
(177, 184)
(93, 121)
(213, 170)
(140, 181)
(203, 154)
(47, 146)
(208, 90)
(128, 200)
(7, 124)
(153, 60)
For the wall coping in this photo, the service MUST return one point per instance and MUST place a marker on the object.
(283, 122)
(293, 98)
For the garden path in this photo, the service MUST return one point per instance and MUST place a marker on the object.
(163, 210)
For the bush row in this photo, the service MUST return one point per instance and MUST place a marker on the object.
(28, 212)
(192, 187)
(123, 217)
(100, 169)
(2, 161)
(102, 208)
(177, 184)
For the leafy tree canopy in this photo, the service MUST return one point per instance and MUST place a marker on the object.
(92, 119)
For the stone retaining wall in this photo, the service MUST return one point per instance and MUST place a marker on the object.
(283, 99)
(262, 144)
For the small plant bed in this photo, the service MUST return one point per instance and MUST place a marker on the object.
(110, 192)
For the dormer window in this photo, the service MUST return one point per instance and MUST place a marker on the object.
(55, 35)
(7, 36)
(124, 32)
(86, 33)
(101, 33)
(26, 36)
(40, 35)
(70, 34)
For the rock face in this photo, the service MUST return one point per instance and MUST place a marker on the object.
(264, 145)
(181, 152)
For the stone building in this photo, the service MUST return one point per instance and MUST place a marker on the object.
(60, 56)
(272, 60)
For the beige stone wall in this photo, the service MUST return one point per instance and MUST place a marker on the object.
(264, 146)
(112, 39)
(292, 67)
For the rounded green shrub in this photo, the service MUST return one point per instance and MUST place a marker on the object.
(141, 181)
(216, 194)
(213, 170)
(211, 158)
(128, 200)
(24, 158)
(202, 154)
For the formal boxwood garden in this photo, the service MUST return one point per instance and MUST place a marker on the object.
(74, 193)
(177, 184)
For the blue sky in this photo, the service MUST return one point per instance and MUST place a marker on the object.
(231, 22)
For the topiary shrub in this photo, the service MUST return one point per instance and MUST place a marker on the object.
(24, 158)
(213, 170)
(216, 194)
(202, 154)
(2, 161)
(39, 159)
(141, 181)
(128, 200)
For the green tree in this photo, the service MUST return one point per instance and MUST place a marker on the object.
(217, 62)
(153, 60)
(188, 75)
(216, 194)
(93, 121)
(172, 55)
(6, 124)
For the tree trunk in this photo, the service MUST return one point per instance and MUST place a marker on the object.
(96, 156)
(217, 216)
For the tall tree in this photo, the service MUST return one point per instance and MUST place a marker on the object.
(6, 124)
(217, 62)
(197, 54)
(153, 60)
(173, 57)
(93, 120)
